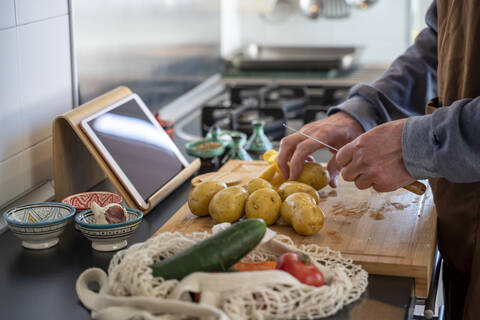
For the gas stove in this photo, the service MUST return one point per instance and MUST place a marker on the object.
(238, 105)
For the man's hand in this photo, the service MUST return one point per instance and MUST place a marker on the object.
(336, 130)
(375, 159)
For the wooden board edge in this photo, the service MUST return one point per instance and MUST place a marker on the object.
(89, 108)
(420, 273)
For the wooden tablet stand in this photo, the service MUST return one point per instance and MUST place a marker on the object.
(78, 166)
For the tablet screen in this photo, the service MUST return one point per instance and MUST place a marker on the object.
(141, 149)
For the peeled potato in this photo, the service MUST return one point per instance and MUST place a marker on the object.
(291, 187)
(308, 220)
(295, 202)
(200, 197)
(277, 180)
(256, 184)
(265, 204)
(228, 204)
(268, 173)
(315, 175)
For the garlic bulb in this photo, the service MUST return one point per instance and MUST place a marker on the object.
(110, 214)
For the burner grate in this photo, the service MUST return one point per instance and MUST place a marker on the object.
(239, 105)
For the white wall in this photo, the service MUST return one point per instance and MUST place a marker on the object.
(382, 30)
(35, 86)
(419, 9)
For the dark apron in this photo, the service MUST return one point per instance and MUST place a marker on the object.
(458, 204)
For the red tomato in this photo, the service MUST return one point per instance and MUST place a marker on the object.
(301, 267)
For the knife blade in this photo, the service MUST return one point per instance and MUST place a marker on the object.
(416, 187)
(311, 138)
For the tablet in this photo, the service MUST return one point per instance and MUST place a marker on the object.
(135, 146)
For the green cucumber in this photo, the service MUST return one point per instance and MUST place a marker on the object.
(217, 253)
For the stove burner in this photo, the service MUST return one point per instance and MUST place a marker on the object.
(237, 106)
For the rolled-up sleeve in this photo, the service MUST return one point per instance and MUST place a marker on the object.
(444, 144)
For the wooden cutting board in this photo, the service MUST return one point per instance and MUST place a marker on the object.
(388, 234)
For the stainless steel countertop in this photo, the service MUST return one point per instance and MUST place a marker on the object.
(367, 73)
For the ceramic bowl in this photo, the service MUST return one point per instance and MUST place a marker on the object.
(226, 135)
(39, 224)
(192, 150)
(108, 237)
(82, 201)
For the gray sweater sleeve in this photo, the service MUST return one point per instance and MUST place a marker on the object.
(444, 144)
(405, 87)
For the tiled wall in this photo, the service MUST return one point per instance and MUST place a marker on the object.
(35, 86)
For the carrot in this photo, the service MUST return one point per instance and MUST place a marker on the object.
(265, 265)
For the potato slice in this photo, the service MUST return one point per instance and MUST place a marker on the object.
(268, 173)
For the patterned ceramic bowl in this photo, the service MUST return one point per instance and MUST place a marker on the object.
(82, 201)
(39, 224)
(213, 148)
(108, 237)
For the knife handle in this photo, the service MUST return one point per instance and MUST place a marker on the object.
(417, 187)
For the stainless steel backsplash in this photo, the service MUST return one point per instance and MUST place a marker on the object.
(158, 48)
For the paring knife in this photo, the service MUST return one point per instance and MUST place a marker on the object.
(416, 187)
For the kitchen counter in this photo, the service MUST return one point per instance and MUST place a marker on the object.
(41, 284)
(346, 79)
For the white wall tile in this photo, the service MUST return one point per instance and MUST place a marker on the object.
(12, 130)
(7, 13)
(25, 170)
(45, 75)
(12, 177)
(34, 10)
(38, 164)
